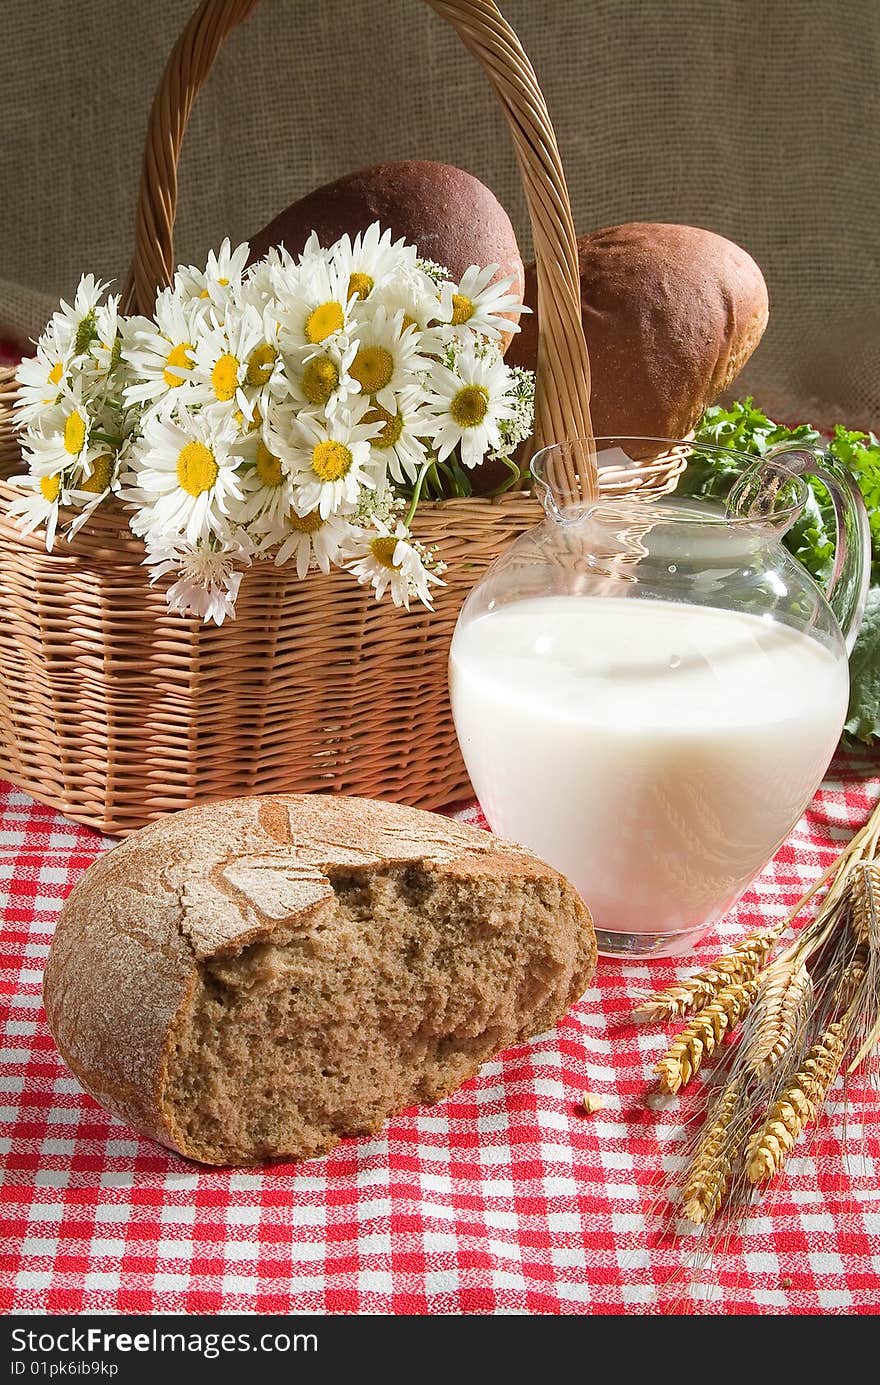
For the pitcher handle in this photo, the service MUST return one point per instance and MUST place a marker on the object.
(847, 587)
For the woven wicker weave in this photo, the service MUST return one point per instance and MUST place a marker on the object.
(115, 710)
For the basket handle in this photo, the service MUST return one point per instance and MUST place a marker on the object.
(562, 404)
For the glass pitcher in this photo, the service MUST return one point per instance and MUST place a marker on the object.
(647, 692)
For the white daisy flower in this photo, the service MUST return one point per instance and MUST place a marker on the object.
(94, 476)
(184, 476)
(371, 259)
(399, 443)
(266, 485)
(220, 280)
(40, 377)
(311, 540)
(477, 304)
(265, 373)
(387, 357)
(390, 558)
(90, 484)
(323, 380)
(312, 302)
(75, 323)
(424, 305)
(258, 284)
(39, 505)
(63, 436)
(331, 460)
(161, 353)
(207, 577)
(467, 404)
(105, 351)
(233, 361)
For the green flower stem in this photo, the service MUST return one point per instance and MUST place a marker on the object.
(105, 437)
(417, 491)
(515, 475)
(434, 480)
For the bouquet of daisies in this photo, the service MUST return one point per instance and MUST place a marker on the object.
(293, 411)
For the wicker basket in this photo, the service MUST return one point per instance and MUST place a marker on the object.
(114, 710)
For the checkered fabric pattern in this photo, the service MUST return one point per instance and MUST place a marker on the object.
(500, 1199)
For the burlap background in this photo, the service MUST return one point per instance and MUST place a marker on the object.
(756, 118)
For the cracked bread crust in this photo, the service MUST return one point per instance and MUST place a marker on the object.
(203, 917)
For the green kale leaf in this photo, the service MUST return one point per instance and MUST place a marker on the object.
(863, 717)
(746, 429)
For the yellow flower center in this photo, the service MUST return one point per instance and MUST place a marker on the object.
(50, 487)
(268, 466)
(74, 433)
(392, 426)
(306, 524)
(223, 282)
(470, 406)
(382, 550)
(55, 373)
(319, 380)
(261, 363)
(373, 368)
(323, 321)
(197, 469)
(359, 284)
(99, 480)
(224, 377)
(179, 355)
(331, 460)
(462, 309)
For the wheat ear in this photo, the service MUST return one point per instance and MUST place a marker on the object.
(710, 1171)
(797, 1107)
(700, 1038)
(864, 887)
(786, 991)
(684, 998)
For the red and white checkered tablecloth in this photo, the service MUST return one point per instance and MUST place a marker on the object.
(500, 1199)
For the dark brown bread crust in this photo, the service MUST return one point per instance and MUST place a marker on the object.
(198, 888)
(449, 215)
(671, 315)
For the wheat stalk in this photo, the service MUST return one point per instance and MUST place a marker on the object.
(826, 982)
(711, 1167)
(798, 1105)
(779, 1014)
(741, 963)
(700, 1038)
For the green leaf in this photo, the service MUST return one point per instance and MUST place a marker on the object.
(744, 428)
(863, 717)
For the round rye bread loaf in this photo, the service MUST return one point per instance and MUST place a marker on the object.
(447, 214)
(265, 976)
(671, 315)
